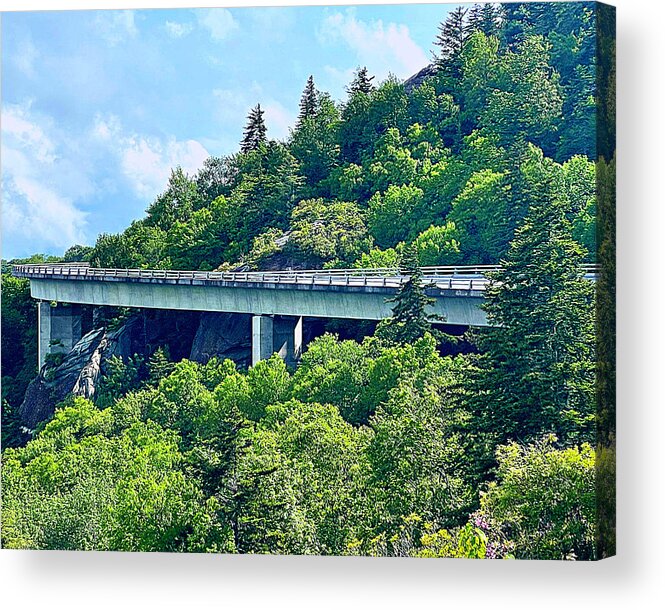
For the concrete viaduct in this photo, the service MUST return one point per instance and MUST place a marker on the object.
(277, 300)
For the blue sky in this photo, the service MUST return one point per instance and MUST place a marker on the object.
(98, 106)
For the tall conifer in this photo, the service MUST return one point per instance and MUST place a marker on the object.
(484, 18)
(410, 320)
(537, 369)
(453, 33)
(361, 83)
(308, 101)
(255, 131)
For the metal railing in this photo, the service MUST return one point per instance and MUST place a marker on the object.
(452, 277)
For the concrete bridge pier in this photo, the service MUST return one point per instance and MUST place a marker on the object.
(276, 334)
(59, 329)
(287, 338)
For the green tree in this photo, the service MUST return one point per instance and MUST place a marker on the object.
(379, 259)
(453, 33)
(410, 320)
(543, 503)
(526, 101)
(324, 231)
(176, 203)
(77, 253)
(361, 83)
(392, 215)
(80, 486)
(217, 177)
(326, 455)
(19, 350)
(537, 372)
(439, 245)
(314, 144)
(119, 377)
(482, 214)
(485, 18)
(308, 102)
(270, 186)
(433, 481)
(255, 131)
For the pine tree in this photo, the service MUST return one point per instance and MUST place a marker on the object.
(536, 373)
(361, 83)
(308, 101)
(410, 320)
(255, 132)
(159, 365)
(453, 34)
(484, 18)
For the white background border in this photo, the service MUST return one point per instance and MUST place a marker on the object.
(634, 579)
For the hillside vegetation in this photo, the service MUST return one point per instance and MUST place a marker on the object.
(385, 446)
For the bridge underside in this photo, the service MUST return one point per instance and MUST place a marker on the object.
(277, 309)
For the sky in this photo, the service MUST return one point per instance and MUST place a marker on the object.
(98, 106)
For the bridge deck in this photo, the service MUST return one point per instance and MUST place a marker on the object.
(462, 277)
(336, 293)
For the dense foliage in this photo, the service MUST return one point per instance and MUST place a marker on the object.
(383, 446)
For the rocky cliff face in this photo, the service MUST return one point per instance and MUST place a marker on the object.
(223, 335)
(420, 77)
(77, 374)
(193, 335)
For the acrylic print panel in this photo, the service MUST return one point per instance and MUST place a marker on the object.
(310, 280)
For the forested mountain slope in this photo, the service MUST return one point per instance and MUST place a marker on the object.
(449, 165)
(381, 446)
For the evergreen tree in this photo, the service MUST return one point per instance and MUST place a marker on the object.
(410, 320)
(159, 365)
(361, 83)
(453, 33)
(484, 18)
(255, 132)
(308, 101)
(537, 375)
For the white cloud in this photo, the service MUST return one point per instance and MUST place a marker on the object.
(178, 30)
(145, 161)
(383, 48)
(25, 57)
(39, 187)
(231, 105)
(218, 21)
(26, 134)
(116, 26)
(106, 128)
(148, 162)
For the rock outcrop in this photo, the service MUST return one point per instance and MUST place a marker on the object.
(77, 374)
(194, 335)
(420, 77)
(223, 335)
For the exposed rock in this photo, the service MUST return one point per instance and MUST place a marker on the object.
(223, 335)
(420, 77)
(80, 369)
(77, 374)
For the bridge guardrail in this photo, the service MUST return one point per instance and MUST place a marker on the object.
(452, 277)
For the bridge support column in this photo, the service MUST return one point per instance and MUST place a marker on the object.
(287, 338)
(262, 338)
(59, 329)
(278, 334)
